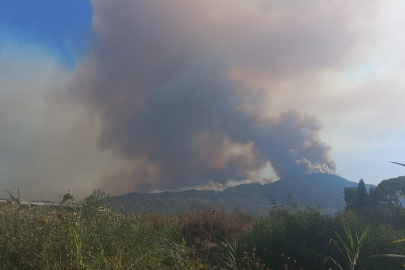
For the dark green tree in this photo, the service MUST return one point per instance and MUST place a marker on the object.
(357, 197)
(350, 196)
(372, 197)
(362, 195)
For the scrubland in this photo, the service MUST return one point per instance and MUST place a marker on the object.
(98, 236)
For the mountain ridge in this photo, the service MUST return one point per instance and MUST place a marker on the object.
(309, 190)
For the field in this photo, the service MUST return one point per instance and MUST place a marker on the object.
(95, 236)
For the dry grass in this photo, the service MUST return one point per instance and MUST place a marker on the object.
(158, 220)
(215, 224)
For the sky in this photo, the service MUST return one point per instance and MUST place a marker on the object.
(146, 96)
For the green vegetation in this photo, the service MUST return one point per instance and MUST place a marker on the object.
(388, 192)
(92, 235)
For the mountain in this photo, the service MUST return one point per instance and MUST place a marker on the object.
(310, 190)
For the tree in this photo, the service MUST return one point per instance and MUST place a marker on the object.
(391, 190)
(357, 197)
(372, 197)
(350, 196)
(362, 195)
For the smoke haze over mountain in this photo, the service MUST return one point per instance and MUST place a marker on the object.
(162, 76)
(176, 94)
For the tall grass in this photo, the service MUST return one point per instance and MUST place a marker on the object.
(312, 240)
(302, 236)
(94, 236)
(349, 245)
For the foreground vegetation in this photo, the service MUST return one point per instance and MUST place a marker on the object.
(95, 236)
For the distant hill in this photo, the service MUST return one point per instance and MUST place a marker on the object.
(305, 191)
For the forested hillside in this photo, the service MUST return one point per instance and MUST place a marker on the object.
(302, 191)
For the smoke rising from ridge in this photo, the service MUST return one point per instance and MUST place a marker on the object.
(175, 94)
(162, 77)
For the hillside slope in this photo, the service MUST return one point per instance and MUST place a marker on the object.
(305, 191)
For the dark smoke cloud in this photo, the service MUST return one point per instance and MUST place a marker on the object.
(171, 81)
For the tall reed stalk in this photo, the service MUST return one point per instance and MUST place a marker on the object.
(351, 243)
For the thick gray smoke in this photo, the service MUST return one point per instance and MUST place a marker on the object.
(169, 80)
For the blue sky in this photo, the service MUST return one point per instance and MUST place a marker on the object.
(62, 27)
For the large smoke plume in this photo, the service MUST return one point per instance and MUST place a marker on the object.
(170, 81)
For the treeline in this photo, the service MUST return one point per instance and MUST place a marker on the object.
(382, 203)
(388, 192)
